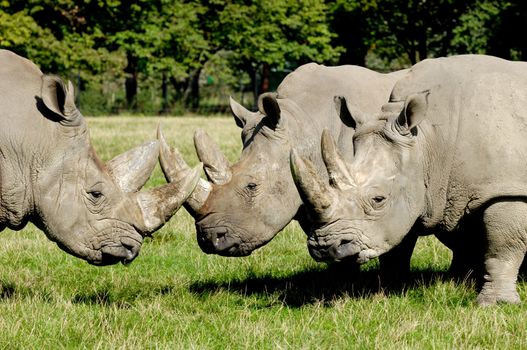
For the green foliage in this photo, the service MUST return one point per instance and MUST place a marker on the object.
(160, 49)
(275, 32)
(49, 34)
(20, 33)
(414, 29)
(493, 27)
(477, 25)
(162, 35)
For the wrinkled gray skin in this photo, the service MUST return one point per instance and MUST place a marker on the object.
(450, 148)
(245, 205)
(51, 176)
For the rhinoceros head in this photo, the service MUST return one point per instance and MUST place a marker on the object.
(245, 205)
(91, 209)
(369, 205)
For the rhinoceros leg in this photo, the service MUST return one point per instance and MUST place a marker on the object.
(395, 264)
(467, 246)
(506, 231)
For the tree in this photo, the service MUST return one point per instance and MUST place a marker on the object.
(349, 22)
(270, 33)
(493, 27)
(45, 35)
(416, 29)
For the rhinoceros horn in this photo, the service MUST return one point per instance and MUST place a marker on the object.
(174, 167)
(159, 204)
(131, 169)
(215, 163)
(312, 189)
(337, 170)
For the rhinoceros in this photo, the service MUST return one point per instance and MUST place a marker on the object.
(51, 176)
(245, 205)
(447, 153)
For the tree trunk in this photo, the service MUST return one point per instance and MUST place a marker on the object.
(422, 45)
(253, 73)
(264, 81)
(164, 93)
(192, 94)
(179, 87)
(412, 53)
(131, 81)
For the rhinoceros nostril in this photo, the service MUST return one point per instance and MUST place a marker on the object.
(316, 254)
(216, 240)
(343, 249)
(131, 249)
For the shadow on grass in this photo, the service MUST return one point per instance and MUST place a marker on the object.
(7, 290)
(102, 297)
(120, 298)
(319, 285)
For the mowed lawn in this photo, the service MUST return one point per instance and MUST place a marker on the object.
(173, 296)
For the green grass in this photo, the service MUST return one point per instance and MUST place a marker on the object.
(175, 297)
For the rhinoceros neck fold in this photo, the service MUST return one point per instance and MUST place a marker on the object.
(23, 137)
(28, 150)
(16, 195)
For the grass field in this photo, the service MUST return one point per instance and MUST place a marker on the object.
(175, 297)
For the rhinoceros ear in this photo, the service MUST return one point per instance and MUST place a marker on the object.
(268, 105)
(132, 169)
(60, 99)
(345, 114)
(240, 113)
(414, 112)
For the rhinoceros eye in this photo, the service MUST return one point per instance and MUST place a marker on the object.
(251, 186)
(95, 194)
(378, 201)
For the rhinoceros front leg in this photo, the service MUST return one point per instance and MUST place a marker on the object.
(395, 264)
(506, 231)
(468, 249)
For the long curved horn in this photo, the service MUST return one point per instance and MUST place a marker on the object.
(161, 203)
(132, 169)
(315, 193)
(338, 172)
(174, 167)
(215, 163)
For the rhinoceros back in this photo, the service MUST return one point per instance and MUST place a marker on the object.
(311, 84)
(313, 87)
(476, 134)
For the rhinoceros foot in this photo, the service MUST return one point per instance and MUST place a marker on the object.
(490, 295)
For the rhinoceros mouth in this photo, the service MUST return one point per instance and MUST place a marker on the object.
(117, 243)
(219, 240)
(334, 252)
(337, 242)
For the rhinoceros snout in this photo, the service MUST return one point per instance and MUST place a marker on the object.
(125, 253)
(334, 251)
(217, 240)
